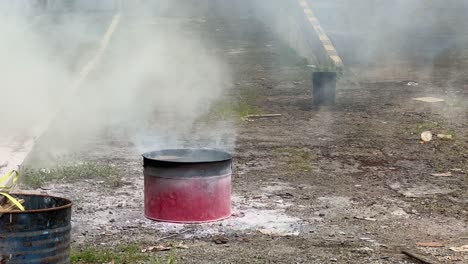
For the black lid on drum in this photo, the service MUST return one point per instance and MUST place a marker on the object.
(187, 163)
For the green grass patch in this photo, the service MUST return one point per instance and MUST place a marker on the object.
(426, 126)
(36, 178)
(298, 159)
(129, 254)
(435, 127)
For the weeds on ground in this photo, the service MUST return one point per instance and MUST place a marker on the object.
(36, 178)
(237, 107)
(289, 55)
(130, 254)
(299, 159)
(438, 166)
(426, 126)
(435, 127)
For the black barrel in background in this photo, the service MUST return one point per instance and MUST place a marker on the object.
(324, 88)
(41, 234)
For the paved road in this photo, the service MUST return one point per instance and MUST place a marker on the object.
(366, 31)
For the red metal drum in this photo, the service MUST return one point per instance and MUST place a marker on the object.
(187, 185)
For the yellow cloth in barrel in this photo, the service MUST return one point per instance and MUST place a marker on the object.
(7, 182)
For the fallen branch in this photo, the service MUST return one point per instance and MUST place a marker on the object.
(263, 116)
(418, 257)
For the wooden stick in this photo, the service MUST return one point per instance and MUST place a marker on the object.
(263, 116)
(9, 206)
(418, 257)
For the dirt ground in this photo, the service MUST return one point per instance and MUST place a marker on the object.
(349, 183)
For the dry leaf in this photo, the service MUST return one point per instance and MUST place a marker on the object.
(429, 99)
(460, 249)
(444, 136)
(429, 244)
(164, 247)
(220, 239)
(446, 174)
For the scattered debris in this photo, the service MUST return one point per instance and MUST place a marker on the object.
(367, 239)
(412, 84)
(219, 239)
(445, 174)
(429, 244)
(429, 99)
(286, 195)
(425, 191)
(274, 233)
(262, 116)
(365, 218)
(426, 136)
(419, 257)
(238, 214)
(460, 249)
(164, 247)
(364, 250)
(444, 136)
(399, 212)
(10, 206)
(419, 191)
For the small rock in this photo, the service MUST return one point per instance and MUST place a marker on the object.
(111, 220)
(367, 239)
(446, 174)
(444, 136)
(238, 214)
(399, 212)
(220, 239)
(366, 218)
(426, 136)
(333, 259)
(364, 250)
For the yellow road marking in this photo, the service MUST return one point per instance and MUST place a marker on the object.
(326, 42)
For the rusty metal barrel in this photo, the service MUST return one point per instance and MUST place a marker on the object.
(40, 234)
